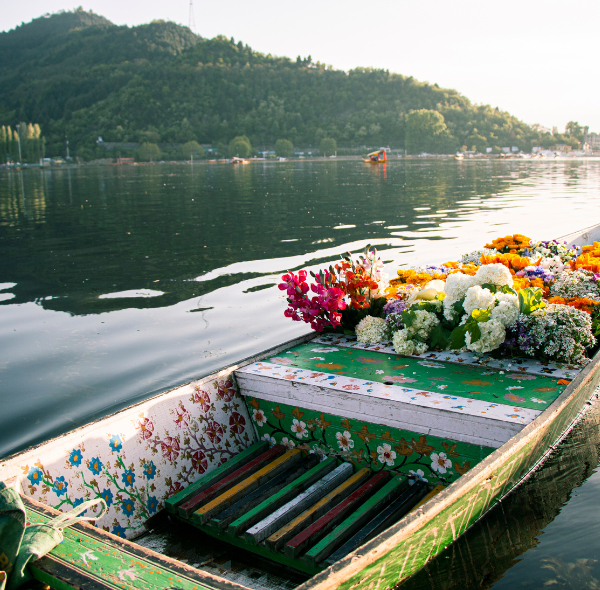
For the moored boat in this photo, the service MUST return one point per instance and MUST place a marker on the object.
(369, 433)
(378, 157)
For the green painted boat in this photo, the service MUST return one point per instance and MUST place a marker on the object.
(347, 464)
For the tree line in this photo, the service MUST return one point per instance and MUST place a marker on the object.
(24, 143)
(77, 73)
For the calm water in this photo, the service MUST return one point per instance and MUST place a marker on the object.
(118, 283)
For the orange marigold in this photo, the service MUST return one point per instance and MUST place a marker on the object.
(513, 262)
(582, 303)
(510, 244)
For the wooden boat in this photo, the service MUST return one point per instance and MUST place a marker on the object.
(343, 462)
(236, 160)
(378, 157)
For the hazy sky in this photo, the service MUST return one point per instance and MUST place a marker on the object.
(532, 58)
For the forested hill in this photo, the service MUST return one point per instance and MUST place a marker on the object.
(77, 73)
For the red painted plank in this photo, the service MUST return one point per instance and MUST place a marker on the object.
(318, 529)
(228, 482)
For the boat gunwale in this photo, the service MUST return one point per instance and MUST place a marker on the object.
(373, 550)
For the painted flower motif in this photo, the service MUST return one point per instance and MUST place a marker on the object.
(115, 442)
(281, 360)
(79, 502)
(95, 465)
(128, 477)
(170, 448)
(149, 470)
(152, 504)
(119, 531)
(75, 457)
(379, 372)
(386, 455)
(145, 427)
(537, 400)
(259, 417)
(199, 462)
(325, 349)
(201, 397)
(431, 364)
(60, 486)
(514, 398)
(268, 438)
(417, 475)
(299, 428)
(350, 387)
(317, 358)
(225, 390)
(182, 419)
(399, 379)
(237, 423)
(344, 440)
(107, 496)
(214, 431)
(440, 462)
(175, 488)
(35, 475)
(128, 507)
(287, 443)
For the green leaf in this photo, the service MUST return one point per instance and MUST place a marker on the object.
(408, 317)
(480, 315)
(457, 337)
(439, 337)
(530, 300)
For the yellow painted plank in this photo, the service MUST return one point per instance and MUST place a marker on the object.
(226, 499)
(317, 510)
(428, 497)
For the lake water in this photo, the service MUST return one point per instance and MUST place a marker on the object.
(118, 283)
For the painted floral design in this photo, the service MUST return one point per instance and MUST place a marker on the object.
(299, 428)
(182, 439)
(344, 440)
(440, 463)
(386, 455)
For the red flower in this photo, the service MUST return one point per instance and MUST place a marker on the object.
(214, 431)
(175, 487)
(237, 423)
(225, 390)
(182, 418)
(201, 397)
(170, 448)
(199, 462)
(146, 428)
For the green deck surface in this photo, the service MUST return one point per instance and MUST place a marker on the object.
(481, 383)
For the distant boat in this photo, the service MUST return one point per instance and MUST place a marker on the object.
(236, 160)
(378, 157)
(459, 157)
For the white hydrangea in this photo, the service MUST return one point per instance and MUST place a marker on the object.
(370, 330)
(496, 274)
(493, 334)
(553, 264)
(478, 298)
(423, 323)
(405, 346)
(475, 256)
(457, 285)
(506, 309)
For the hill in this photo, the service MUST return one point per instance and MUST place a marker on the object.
(77, 73)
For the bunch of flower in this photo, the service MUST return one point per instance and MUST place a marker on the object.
(510, 244)
(474, 258)
(537, 272)
(362, 280)
(582, 303)
(576, 283)
(589, 259)
(371, 330)
(322, 309)
(513, 262)
(419, 321)
(557, 332)
(413, 277)
(552, 249)
(393, 316)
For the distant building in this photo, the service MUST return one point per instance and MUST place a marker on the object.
(592, 139)
(122, 161)
(506, 150)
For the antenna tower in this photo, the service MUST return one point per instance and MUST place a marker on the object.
(192, 21)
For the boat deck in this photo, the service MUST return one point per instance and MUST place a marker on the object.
(296, 509)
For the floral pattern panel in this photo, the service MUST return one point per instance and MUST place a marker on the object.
(138, 458)
(432, 459)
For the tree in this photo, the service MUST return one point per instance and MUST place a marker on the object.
(574, 129)
(192, 148)
(240, 146)
(426, 131)
(284, 148)
(328, 146)
(149, 152)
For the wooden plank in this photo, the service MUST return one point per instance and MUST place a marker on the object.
(191, 505)
(323, 525)
(243, 523)
(355, 521)
(439, 488)
(172, 503)
(247, 485)
(287, 512)
(267, 490)
(280, 537)
(390, 515)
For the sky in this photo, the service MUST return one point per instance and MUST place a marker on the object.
(532, 58)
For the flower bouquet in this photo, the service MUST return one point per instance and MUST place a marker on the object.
(515, 297)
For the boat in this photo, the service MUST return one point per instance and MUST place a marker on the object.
(459, 157)
(346, 463)
(378, 157)
(236, 160)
